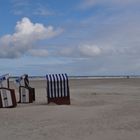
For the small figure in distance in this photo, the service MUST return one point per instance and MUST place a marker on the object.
(127, 77)
(26, 80)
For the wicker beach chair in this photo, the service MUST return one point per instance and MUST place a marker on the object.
(58, 89)
(7, 95)
(26, 93)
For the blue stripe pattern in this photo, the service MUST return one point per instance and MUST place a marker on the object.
(57, 85)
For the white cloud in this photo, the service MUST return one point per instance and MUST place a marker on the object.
(87, 4)
(35, 31)
(82, 51)
(39, 53)
(30, 8)
(41, 11)
(26, 34)
(20, 6)
(89, 50)
(20, 3)
(90, 3)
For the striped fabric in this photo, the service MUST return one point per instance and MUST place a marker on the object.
(57, 87)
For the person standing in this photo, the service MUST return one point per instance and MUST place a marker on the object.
(26, 81)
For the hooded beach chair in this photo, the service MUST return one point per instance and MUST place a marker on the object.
(7, 95)
(58, 89)
(26, 93)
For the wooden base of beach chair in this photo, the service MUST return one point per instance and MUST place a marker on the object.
(7, 98)
(60, 101)
(26, 94)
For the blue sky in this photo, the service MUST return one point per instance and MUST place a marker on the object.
(78, 37)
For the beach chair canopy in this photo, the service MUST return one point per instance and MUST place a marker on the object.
(23, 80)
(4, 80)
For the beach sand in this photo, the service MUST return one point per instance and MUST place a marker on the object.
(101, 109)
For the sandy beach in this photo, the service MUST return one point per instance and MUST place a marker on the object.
(101, 109)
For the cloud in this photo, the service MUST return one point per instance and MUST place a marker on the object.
(81, 51)
(42, 11)
(20, 3)
(39, 52)
(31, 8)
(26, 34)
(20, 6)
(86, 4)
(89, 50)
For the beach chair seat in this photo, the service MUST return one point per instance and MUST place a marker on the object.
(26, 94)
(7, 98)
(58, 89)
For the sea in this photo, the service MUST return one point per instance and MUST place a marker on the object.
(84, 77)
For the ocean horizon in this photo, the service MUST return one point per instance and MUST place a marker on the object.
(84, 77)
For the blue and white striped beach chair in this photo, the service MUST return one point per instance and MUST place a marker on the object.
(7, 95)
(58, 89)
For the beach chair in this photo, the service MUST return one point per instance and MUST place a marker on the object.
(7, 95)
(58, 89)
(26, 93)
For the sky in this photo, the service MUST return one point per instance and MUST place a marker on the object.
(77, 37)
